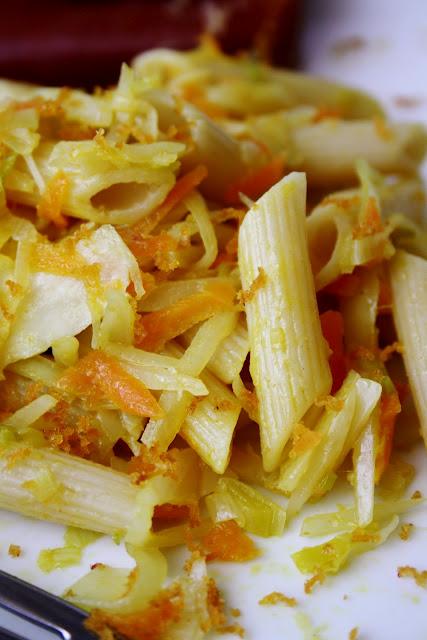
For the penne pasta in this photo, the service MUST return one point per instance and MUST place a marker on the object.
(408, 282)
(288, 356)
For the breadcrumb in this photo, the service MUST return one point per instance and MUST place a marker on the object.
(420, 577)
(318, 578)
(405, 530)
(276, 597)
(387, 352)
(303, 439)
(227, 542)
(236, 613)
(14, 550)
(354, 633)
(233, 628)
(329, 402)
(259, 282)
(417, 495)
(151, 462)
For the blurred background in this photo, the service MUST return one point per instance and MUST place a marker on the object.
(83, 42)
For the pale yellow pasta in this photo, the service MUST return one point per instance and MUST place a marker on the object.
(360, 313)
(409, 286)
(209, 427)
(288, 355)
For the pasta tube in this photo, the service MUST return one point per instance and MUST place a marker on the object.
(408, 282)
(209, 428)
(289, 364)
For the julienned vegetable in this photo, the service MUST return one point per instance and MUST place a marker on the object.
(161, 346)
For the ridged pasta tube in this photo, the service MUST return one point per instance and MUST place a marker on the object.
(289, 364)
(409, 287)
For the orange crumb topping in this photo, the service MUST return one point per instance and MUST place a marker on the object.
(63, 431)
(405, 531)
(259, 282)
(276, 597)
(17, 456)
(227, 542)
(237, 629)
(330, 403)
(151, 462)
(361, 535)
(387, 352)
(98, 377)
(303, 439)
(14, 550)
(318, 578)
(420, 577)
(160, 248)
(52, 200)
(149, 624)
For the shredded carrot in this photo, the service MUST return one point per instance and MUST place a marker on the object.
(389, 409)
(256, 183)
(333, 330)
(98, 376)
(226, 541)
(182, 188)
(52, 200)
(154, 329)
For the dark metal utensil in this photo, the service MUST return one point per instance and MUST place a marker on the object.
(41, 608)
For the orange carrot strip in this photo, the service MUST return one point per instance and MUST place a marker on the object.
(258, 182)
(227, 542)
(182, 188)
(51, 202)
(389, 409)
(98, 376)
(154, 329)
(333, 330)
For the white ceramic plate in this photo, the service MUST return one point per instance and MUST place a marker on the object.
(389, 58)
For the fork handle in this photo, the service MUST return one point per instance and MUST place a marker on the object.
(42, 608)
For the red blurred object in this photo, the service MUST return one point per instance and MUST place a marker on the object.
(81, 43)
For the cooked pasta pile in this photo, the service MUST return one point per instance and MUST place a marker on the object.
(213, 276)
